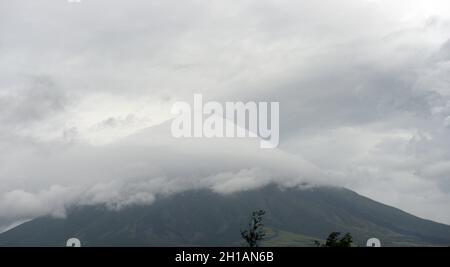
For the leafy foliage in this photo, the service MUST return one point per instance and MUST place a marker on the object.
(255, 232)
(333, 240)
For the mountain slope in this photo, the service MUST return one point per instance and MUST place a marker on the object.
(202, 217)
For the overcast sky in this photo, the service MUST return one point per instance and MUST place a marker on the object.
(363, 86)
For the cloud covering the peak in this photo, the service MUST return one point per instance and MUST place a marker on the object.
(363, 87)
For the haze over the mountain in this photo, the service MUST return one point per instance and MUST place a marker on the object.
(294, 217)
(362, 86)
(149, 163)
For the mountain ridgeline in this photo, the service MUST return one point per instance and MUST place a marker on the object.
(294, 217)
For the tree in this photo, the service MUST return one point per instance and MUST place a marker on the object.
(255, 232)
(334, 241)
(346, 241)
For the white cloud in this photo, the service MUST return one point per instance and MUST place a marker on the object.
(362, 85)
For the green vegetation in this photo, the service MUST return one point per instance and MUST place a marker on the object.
(255, 232)
(292, 217)
(280, 238)
(333, 240)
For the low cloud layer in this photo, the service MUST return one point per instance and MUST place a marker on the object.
(363, 89)
(141, 167)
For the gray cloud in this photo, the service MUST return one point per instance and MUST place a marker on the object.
(363, 88)
(31, 102)
(140, 167)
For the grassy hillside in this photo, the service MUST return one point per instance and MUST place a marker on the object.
(203, 218)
